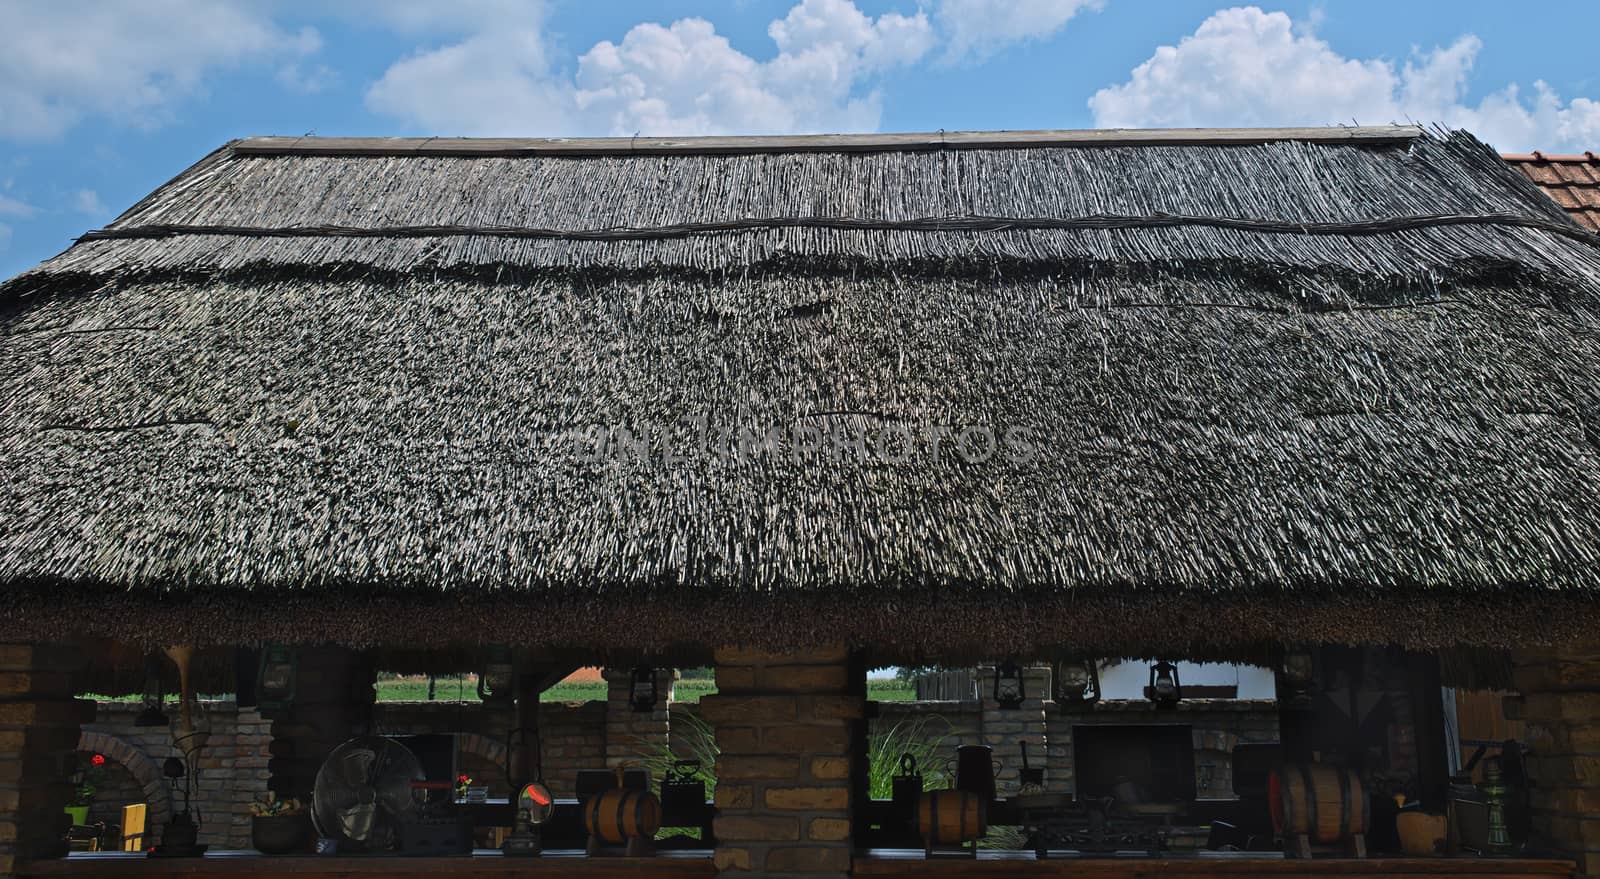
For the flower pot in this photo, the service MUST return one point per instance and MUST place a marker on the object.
(280, 834)
(80, 814)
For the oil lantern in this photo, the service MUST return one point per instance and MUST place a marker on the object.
(497, 683)
(643, 694)
(1165, 688)
(1077, 682)
(1009, 692)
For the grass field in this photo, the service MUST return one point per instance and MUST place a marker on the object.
(414, 688)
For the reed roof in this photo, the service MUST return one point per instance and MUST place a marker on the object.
(1331, 387)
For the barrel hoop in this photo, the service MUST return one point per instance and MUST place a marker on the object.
(1311, 800)
(622, 803)
(933, 818)
(592, 813)
(1344, 804)
(961, 827)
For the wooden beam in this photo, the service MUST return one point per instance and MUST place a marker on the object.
(468, 147)
(1004, 864)
(567, 865)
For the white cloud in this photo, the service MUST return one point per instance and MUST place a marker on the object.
(434, 18)
(10, 207)
(1245, 67)
(677, 79)
(5, 238)
(306, 79)
(980, 28)
(63, 60)
(496, 82)
(87, 201)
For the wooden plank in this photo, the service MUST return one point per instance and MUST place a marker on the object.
(910, 864)
(315, 867)
(818, 143)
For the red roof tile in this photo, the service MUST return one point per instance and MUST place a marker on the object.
(1572, 181)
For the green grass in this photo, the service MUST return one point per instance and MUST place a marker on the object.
(457, 688)
(464, 688)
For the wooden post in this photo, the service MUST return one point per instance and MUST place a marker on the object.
(1427, 707)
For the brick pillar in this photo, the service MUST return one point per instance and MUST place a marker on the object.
(1560, 707)
(635, 735)
(784, 725)
(39, 723)
(1003, 729)
(332, 701)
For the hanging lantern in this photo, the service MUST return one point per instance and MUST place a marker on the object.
(1077, 682)
(275, 677)
(1165, 689)
(1009, 692)
(643, 694)
(154, 696)
(1295, 676)
(497, 683)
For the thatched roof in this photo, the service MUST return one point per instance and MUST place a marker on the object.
(1279, 383)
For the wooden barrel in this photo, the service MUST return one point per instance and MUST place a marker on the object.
(1326, 803)
(951, 817)
(618, 815)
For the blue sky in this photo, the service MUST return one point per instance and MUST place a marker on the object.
(102, 102)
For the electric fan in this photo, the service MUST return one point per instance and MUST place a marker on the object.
(363, 792)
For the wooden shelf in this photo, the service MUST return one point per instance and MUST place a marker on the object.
(897, 863)
(233, 865)
(878, 862)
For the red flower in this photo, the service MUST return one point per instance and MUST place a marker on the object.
(98, 759)
(463, 778)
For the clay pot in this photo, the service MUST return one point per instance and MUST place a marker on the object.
(1421, 834)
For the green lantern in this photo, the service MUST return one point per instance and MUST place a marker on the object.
(275, 679)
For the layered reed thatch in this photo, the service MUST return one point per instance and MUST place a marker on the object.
(1242, 435)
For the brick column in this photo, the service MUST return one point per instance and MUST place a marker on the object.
(1003, 729)
(333, 700)
(39, 723)
(634, 735)
(1560, 707)
(785, 724)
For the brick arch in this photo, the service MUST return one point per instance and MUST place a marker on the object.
(487, 750)
(140, 765)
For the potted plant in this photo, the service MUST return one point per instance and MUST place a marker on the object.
(84, 784)
(279, 827)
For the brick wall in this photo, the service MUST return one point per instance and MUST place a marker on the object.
(1218, 725)
(1004, 729)
(574, 737)
(786, 725)
(38, 731)
(1560, 708)
(232, 770)
(632, 735)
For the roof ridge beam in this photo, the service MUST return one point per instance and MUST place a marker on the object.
(468, 147)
